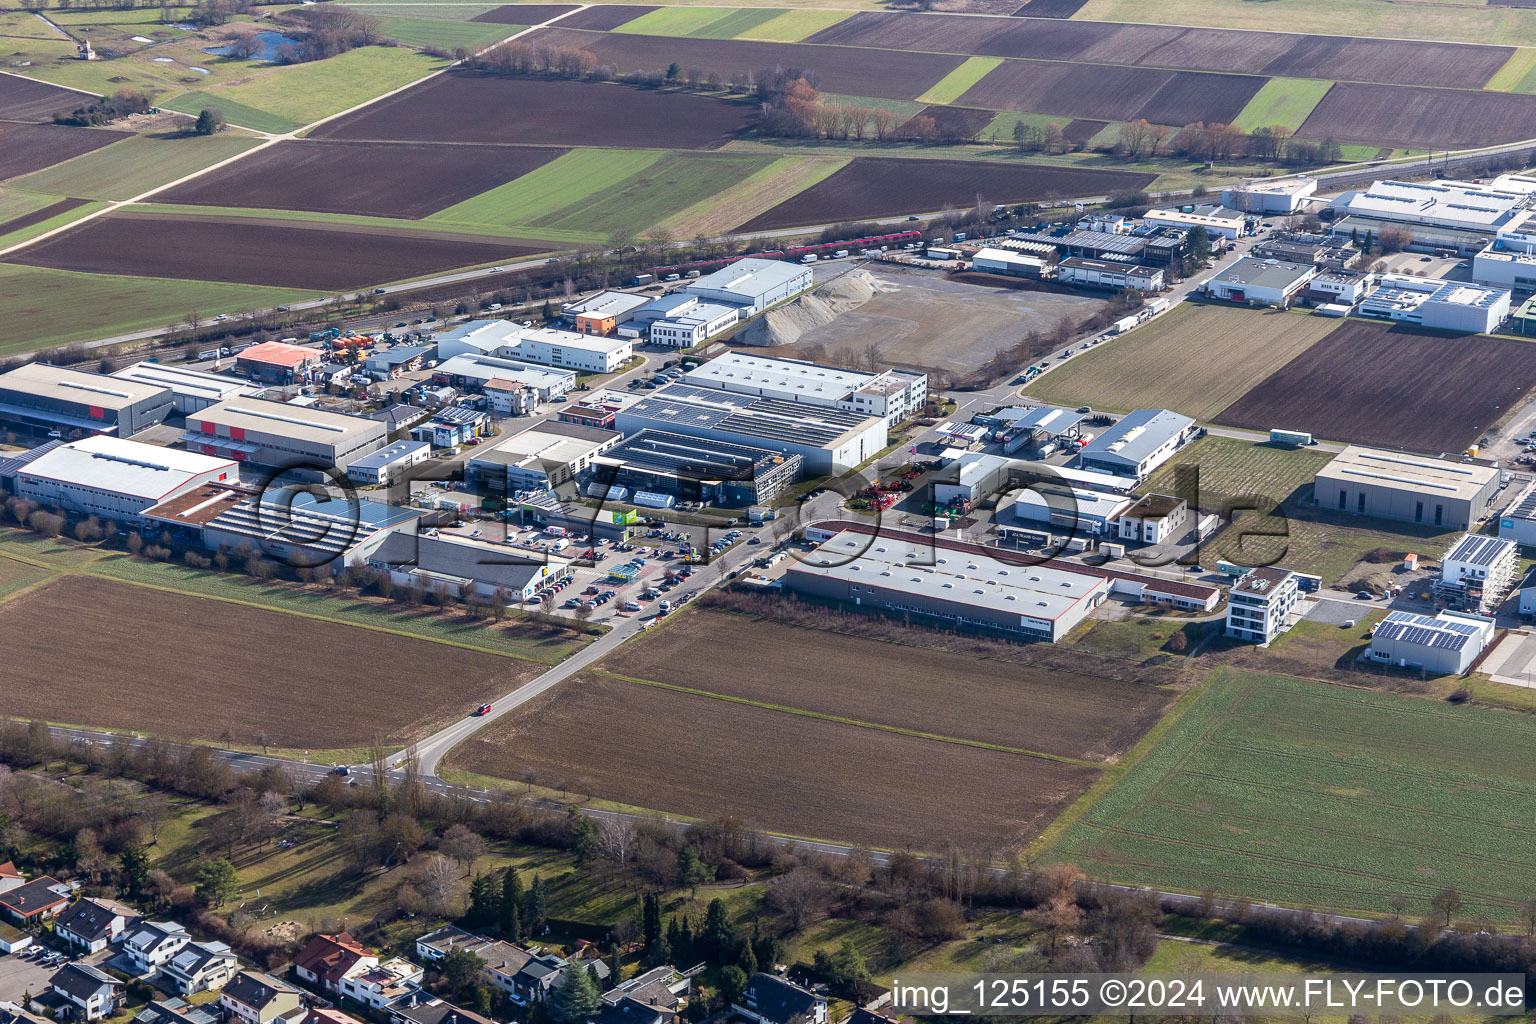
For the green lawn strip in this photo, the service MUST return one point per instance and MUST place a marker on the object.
(842, 720)
(1527, 83)
(134, 166)
(54, 553)
(302, 93)
(1513, 74)
(562, 182)
(955, 84)
(1002, 125)
(437, 12)
(44, 308)
(905, 108)
(662, 189)
(42, 226)
(674, 21)
(733, 25)
(16, 203)
(283, 598)
(1282, 101)
(234, 111)
(442, 33)
(746, 192)
(18, 576)
(27, 25)
(305, 216)
(793, 26)
(1304, 793)
(1113, 773)
(1230, 467)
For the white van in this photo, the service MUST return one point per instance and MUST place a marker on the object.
(561, 544)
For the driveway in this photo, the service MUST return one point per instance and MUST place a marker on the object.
(19, 977)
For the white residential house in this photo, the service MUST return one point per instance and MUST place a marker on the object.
(200, 967)
(93, 924)
(434, 945)
(769, 999)
(255, 998)
(88, 993)
(1260, 604)
(151, 945)
(383, 984)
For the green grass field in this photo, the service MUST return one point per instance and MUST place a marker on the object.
(26, 25)
(733, 25)
(235, 112)
(544, 192)
(14, 575)
(134, 166)
(1527, 80)
(437, 12)
(1461, 23)
(676, 21)
(793, 26)
(442, 33)
(45, 308)
(1001, 126)
(1510, 77)
(663, 188)
(17, 203)
(954, 85)
(304, 93)
(904, 108)
(1306, 794)
(1282, 101)
(1230, 467)
(1195, 359)
(763, 190)
(41, 227)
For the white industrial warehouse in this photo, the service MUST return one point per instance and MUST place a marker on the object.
(116, 478)
(892, 395)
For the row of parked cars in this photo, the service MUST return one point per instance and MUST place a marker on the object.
(44, 956)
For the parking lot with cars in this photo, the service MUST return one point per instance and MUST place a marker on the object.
(28, 970)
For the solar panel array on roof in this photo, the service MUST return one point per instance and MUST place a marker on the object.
(1475, 549)
(14, 464)
(1423, 636)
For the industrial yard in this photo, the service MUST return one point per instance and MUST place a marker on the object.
(918, 319)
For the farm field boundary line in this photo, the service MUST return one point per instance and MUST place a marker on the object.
(895, 642)
(269, 141)
(85, 570)
(50, 573)
(1112, 772)
(843, 720)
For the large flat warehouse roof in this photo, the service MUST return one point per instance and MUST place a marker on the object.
(64, 385)
(788, 378)
(304, 423)
(552, 441)
(183, 380)
(125, 467)
(1383, 468)
(955, 577)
